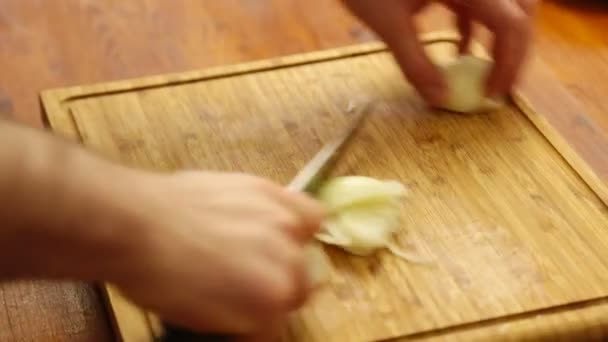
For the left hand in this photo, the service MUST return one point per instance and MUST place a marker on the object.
(510, 21)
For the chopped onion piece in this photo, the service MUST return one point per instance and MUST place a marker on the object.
(364, 215)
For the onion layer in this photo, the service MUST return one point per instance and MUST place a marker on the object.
(364, 215)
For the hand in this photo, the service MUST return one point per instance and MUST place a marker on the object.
(220, 252)
(510, 21)
(214, 252)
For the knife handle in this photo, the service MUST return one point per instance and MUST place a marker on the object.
(318, 268)
(177, 334)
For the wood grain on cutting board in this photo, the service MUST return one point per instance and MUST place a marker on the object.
(514, 230)
(49, 44)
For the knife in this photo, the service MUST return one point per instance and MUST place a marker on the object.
(307, 180)
(311, 176)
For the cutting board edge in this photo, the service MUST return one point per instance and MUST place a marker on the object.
(64, 94)
(57, 116)
(522, 326)
(553, 121)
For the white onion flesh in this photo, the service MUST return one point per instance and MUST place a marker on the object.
(364, 215)
(465, 77)
(342, 192)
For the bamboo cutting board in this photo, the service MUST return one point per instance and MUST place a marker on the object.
(510, 207)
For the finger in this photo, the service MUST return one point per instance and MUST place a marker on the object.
(511, 28)
(529, 6)
(393, 21)
(290, 256)
(465, 27)
(417, 67)
(284, 267)
(287, 295)
(268, 298)
(309, 211)
(511, 47)
(503, 54)
(276, 208)
(302, 281)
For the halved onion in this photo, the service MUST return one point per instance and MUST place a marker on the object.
(465, 77)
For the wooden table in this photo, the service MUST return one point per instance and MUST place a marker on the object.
(74, 42)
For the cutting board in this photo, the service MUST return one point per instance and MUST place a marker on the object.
(510, 206)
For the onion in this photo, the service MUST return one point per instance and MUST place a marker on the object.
(364, 215)
(342, 192)
(465, 77)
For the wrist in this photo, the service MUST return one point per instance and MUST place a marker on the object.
(72, 214)
(106, 225)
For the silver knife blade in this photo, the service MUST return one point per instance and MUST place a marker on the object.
(311, 175)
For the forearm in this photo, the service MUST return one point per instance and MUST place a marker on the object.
(59, 216)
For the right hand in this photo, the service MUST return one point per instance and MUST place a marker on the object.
(220, 252)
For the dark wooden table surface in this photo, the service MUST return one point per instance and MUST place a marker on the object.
(46, 44)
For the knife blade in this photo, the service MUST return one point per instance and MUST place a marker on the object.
(312, 174)
(308, 179)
